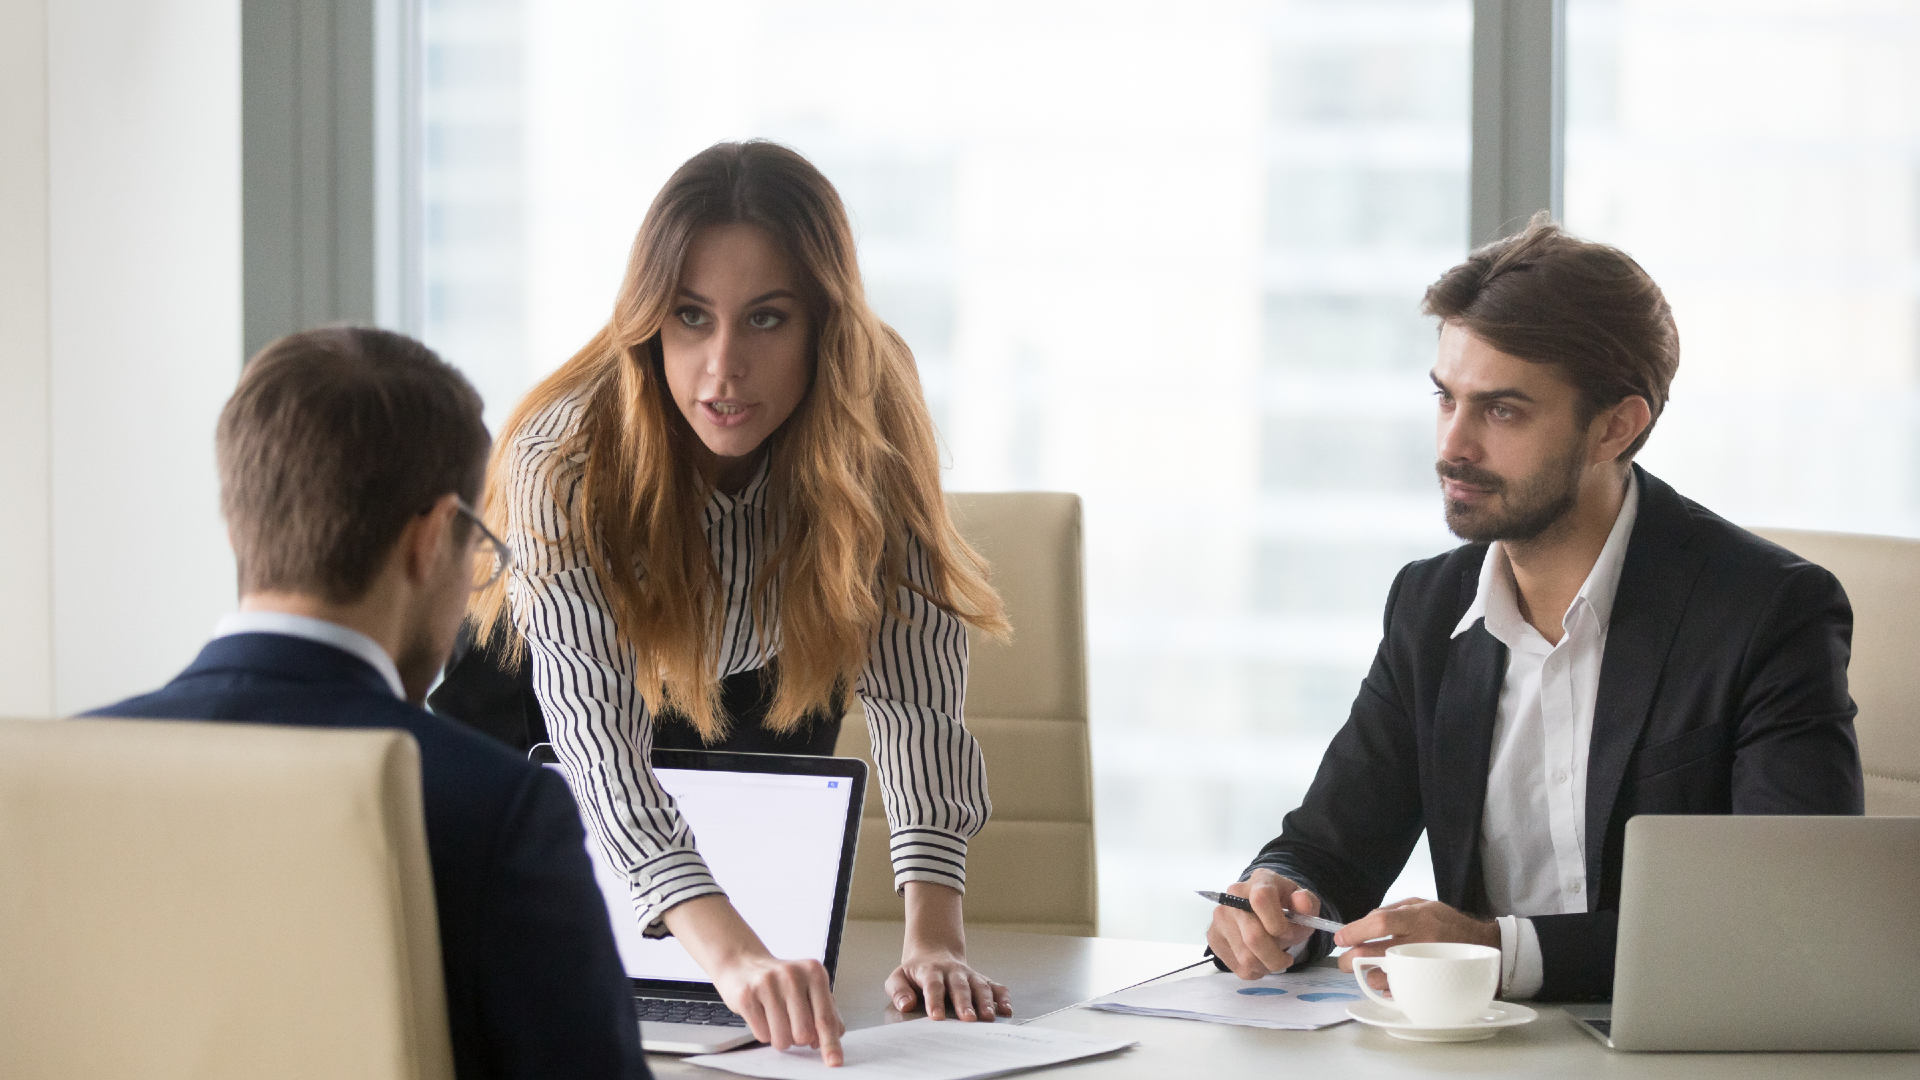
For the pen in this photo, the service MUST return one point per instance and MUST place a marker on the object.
(1238, 903)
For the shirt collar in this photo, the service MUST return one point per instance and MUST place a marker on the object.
(326, 633)
(1493, 598)
(1603, 582)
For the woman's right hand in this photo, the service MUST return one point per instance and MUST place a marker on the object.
(784, 1002)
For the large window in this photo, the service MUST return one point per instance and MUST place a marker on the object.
(1762, 160)
(1168, 257)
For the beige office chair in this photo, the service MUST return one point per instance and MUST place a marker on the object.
(216, 902)
(1032, 867)
(1882, 577)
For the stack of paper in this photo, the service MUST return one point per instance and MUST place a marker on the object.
(1302, 1001)
(922, 1050)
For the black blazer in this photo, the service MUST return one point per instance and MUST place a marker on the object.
(1723, 690)
(534, 984)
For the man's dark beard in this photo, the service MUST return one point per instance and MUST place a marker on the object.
(1533, 506)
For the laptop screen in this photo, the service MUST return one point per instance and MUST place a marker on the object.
(774, 840)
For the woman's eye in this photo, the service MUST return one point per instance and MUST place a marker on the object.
(765, 320)
(692, 317)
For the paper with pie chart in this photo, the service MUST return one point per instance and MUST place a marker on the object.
(1301, 1001)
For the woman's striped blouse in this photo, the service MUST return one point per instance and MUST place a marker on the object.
(931, 775)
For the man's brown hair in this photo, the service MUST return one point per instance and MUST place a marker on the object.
(332, 442)
(1589, 309)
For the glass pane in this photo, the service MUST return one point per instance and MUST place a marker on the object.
(1170, 259)
(1762, 161)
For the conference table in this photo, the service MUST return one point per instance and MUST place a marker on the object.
(1046, 972)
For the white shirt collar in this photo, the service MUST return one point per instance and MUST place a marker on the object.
(1493, 598)
(326, 633)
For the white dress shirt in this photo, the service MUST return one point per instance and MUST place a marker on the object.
(1533, 831)
(932, 776)
(326, 633)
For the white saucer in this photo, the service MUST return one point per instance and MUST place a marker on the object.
(1499, 1014)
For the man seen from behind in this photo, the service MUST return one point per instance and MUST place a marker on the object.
(348, 461)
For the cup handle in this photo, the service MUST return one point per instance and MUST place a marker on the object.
(1360, 966)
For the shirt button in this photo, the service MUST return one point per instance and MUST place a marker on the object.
(1559, 776)
(1573, 887)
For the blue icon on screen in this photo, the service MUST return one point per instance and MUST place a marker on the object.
(833, 783)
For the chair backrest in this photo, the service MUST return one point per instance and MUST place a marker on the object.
(1882, 577)
(1032, 867)
(215, 901)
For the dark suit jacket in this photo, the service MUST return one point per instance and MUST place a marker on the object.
(1723, 690)
(534, 983)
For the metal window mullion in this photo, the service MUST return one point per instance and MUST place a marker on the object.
(1519, 114)
(308, 149)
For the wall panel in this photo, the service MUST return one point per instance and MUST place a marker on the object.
(26, 596)
(143, 111)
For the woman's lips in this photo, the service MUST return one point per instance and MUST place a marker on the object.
(727, 413)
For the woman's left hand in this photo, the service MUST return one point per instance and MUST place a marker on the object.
(935, 975)
(933, 961)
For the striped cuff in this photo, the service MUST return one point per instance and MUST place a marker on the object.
(934, 855)
(672, 878)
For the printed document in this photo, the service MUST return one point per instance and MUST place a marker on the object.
(1301, 1001)
(922, 1050)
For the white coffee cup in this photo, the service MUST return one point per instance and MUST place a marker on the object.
(1436, 983)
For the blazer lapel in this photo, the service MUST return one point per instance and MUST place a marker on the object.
(1462, 744)
(1655, 581)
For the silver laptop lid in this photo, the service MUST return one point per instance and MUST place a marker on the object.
(777, 831)
(1769, 933)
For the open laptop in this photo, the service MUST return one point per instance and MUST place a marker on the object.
(1766, 933)
(779, 833)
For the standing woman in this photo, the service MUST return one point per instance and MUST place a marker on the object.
(726, 514)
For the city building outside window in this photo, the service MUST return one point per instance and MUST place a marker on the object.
(1170, 257)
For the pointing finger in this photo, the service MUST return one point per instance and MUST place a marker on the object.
(827, 1024)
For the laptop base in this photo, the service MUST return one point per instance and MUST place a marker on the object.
(688, 1022)
(1595, 1020)
(664, 1038)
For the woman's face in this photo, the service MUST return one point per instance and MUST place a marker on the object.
(736, 345)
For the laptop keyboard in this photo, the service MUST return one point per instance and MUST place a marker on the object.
(683, 1011)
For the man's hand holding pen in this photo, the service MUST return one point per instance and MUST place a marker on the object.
(1255, 943)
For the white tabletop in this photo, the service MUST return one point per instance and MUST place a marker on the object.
(1046, 972)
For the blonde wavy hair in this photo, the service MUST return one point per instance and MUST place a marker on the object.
(854, 472)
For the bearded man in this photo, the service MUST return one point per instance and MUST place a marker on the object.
(1601, 647)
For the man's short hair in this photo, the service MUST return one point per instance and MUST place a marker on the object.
(1588, 309)
(334, 440)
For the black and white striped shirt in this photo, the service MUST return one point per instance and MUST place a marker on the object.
(932, 777)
